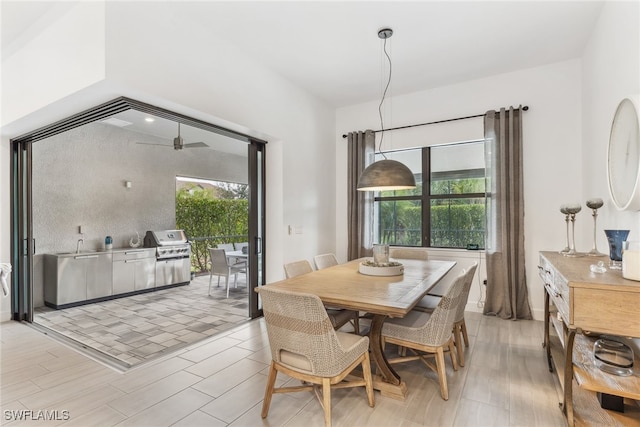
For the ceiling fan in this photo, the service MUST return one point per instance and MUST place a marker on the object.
(178, 143)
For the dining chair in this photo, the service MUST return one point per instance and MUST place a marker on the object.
(305, 346)
(428, 334)
(234, 261)
(406, 253)
(430, 302)
(441, 287)
(297, 268)
(220, 267)
(325, 260)
(338, 316)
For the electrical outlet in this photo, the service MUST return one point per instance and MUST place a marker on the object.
(80, 230)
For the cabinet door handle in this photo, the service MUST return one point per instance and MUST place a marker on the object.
(132, 260)
(85, 256)
(134, 252)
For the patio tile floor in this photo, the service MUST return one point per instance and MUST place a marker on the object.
(132, 330)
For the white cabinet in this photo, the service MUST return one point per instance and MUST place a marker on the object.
(72, 278)
(133, 270)
(173, 271)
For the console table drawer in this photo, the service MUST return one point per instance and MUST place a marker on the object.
(603, 311)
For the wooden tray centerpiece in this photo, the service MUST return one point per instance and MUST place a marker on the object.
(371, 268)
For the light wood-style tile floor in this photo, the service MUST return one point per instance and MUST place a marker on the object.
(220, 382)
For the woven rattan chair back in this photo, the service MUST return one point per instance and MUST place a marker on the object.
(432, 336)
(338, 317)
(402, 253)
(298, 323)
(297, 268)
(325, 260)
(305, 346)
(466, 288)
(437, 330)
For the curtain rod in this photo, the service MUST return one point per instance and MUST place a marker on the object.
(525, 108)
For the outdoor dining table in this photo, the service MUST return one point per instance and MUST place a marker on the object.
(236, 254)
(343, 286)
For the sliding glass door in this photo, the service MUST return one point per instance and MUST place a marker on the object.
(111, 171)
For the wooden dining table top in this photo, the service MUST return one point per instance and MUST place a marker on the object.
(343, 286)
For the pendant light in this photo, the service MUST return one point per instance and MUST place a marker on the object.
(387, 174)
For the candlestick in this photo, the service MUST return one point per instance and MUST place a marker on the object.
(594, 205)
(563, 209)
(573, 209)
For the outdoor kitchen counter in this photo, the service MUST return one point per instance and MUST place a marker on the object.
(72, 279)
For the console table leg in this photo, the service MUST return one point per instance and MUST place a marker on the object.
(546, 344)
(568, 378)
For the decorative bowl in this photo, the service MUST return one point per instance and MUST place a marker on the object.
(391, 268)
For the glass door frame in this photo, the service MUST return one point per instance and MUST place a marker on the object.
(22, 242)
(257, 223)
(22, 239)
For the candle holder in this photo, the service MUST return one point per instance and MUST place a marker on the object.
(573, 209)
(563, 209)
(594, 205)
(615, 239)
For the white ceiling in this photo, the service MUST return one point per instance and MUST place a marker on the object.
(331, 48)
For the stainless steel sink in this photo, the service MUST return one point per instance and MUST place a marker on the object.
(82, 252)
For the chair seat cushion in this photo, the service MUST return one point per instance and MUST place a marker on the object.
(428, 303)
(415, 319)
(339, 317)
(349, 341)
(295, 361)
(352, 344)
(407, 327)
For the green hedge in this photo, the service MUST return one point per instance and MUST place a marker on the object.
(209, 222)
(452, 226)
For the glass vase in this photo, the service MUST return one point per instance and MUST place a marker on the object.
(381, 254)
(615, 239)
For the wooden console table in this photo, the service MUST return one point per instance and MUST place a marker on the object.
(579, 305)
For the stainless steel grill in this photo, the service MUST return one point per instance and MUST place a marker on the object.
(168, 243)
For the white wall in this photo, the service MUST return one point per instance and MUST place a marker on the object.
(552, 147)
(611, 63)
(67, 45)
(144, 62)
(611, 72)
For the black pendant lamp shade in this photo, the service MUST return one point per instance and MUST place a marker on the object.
(386, 175)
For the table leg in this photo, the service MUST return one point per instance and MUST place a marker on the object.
(387, 381)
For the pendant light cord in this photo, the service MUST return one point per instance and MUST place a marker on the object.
(384, 94)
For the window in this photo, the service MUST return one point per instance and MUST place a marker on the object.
(450, 182)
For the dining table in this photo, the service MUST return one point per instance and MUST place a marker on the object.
(380, 297)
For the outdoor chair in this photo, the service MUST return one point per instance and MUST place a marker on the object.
(220, 267)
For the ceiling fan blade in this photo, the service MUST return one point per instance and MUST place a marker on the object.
(152, 143)
(196, 145)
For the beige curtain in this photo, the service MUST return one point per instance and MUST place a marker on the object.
(507, 295)
(360, 203)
